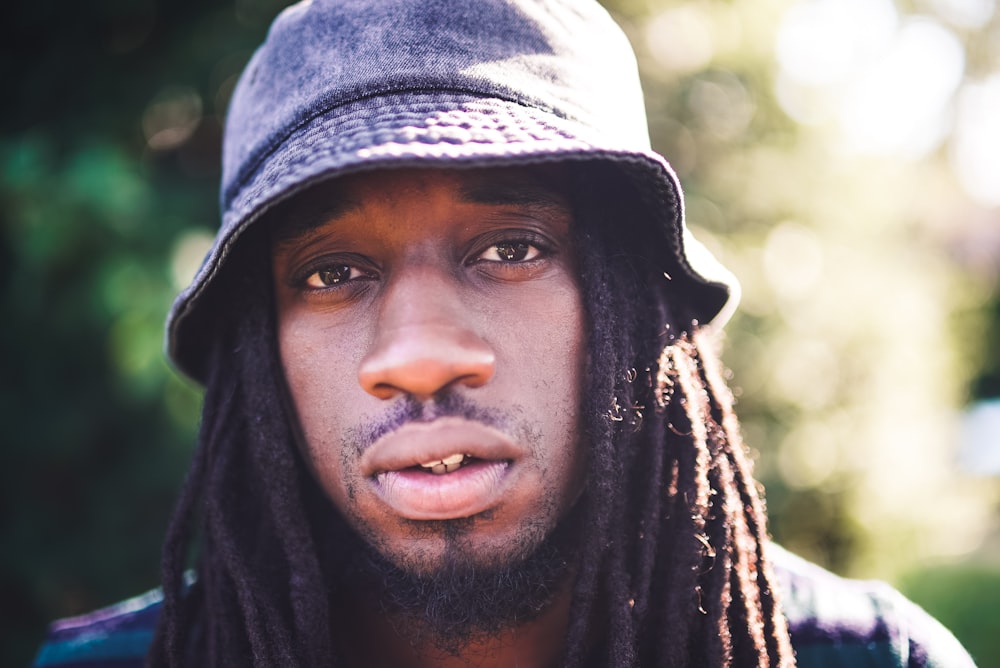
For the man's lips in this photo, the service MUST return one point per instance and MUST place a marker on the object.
(393, 464)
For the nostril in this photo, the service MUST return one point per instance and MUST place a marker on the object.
(383, 391)
(425, 360)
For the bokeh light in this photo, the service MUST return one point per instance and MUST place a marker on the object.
(171, 118)
(842, 166)
(975, 153)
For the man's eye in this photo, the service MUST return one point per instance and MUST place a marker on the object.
(333, 275)
(510, 251)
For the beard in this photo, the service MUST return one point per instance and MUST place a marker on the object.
(462, 593)
(458, 600)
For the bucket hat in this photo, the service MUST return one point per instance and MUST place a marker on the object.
(341, 86)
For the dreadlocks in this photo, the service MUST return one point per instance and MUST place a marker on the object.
(675, 551)
(673, 568)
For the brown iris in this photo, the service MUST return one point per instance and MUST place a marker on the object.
(512, 252)
(334, 275)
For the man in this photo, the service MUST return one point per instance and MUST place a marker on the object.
(461, 403)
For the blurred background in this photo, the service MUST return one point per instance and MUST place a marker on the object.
(841, 156)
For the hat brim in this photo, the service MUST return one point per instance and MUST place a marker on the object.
(430, 129)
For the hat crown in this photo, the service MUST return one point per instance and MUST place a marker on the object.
(341, 86)
(566, 57)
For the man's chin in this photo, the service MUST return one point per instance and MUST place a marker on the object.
(458, 598)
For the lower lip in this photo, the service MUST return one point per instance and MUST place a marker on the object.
(470, 490)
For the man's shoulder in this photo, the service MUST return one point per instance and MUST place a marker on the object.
(114, 637)
(836, 622)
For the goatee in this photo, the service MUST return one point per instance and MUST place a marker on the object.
(460, 601)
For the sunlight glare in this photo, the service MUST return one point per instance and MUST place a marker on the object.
(965, 13)
(975, 150)
(899, 105)
(825, 42)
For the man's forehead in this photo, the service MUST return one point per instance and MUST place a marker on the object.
(538, 187)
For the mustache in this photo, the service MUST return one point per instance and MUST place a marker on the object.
(409, 410)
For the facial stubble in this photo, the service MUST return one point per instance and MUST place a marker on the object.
(460, 593)
(460, 599)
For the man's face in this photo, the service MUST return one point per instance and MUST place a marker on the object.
(431, 331)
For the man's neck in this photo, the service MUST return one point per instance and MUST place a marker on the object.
(370, 636)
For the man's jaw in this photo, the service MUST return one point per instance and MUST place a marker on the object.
(461, 599)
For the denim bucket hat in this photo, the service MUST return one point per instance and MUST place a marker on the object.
(341, 86)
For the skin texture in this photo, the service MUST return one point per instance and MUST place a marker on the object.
(428, 312)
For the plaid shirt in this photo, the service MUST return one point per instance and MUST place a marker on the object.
(834, 622)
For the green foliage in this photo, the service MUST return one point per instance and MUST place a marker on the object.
(96, 224)
(966, 599)
(92, 453)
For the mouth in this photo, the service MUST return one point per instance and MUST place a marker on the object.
(449, 468)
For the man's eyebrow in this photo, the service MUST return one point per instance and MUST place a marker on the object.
(512, 193)
(297, 219)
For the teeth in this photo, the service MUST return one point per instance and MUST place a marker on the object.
(446, 465)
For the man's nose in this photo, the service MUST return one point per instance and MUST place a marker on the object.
(424, 341)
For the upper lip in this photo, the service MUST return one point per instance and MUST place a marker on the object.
(418, 442)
